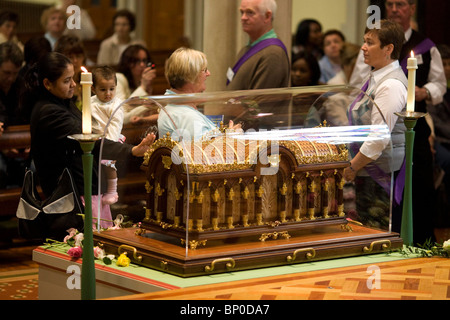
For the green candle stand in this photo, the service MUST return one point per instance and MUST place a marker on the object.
(406, 231)
(87, 142)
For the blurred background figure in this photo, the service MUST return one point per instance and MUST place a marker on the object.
(8, 25)
(305, 70)
(34, 50)
(111, 49)
(308, 37)
(440, 114)
(330, 63)
(53, 21)
(349, 54)
(13, 161)
(87, 29)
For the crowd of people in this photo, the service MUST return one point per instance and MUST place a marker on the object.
(49, 68)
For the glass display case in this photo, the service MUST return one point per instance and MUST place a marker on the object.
(249, 179)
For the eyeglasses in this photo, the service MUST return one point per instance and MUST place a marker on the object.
(139, 61)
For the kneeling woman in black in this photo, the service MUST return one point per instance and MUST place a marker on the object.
(54, 118)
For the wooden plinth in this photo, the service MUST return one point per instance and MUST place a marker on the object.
(167, 254)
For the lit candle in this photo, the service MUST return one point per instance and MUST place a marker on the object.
(86, 83)
(412, 67)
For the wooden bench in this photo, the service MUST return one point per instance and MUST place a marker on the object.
(13, 137)
(131, 181)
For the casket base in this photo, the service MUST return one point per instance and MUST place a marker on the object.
(240, 230)
(164, 253)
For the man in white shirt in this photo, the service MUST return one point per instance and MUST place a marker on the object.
(402, 11)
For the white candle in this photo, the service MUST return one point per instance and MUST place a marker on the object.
(86, 83)
(412, 67)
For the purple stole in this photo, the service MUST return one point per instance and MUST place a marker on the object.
(373, 170)
(358, 98)
(421, 48)
(255, 49)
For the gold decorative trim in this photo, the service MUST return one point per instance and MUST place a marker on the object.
(193, 244)
(167, 162)
(274, 236)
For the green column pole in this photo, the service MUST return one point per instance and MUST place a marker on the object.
(406, 232)
(88, 263)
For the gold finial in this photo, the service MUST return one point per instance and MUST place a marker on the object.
(216, 196)
(283, 189)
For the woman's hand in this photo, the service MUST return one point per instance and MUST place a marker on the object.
(349, 174)
(147, 78)
(141, 149)
(357, 163)
(233, 126)
(421, 94)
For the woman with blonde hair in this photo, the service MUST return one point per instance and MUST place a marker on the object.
(186, 71)
(53, 21)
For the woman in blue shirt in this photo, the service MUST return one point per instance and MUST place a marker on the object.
(186, 71)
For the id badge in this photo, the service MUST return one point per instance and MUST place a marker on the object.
(230, 74)
(419, 59)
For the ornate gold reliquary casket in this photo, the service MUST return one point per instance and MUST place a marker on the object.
(233, 186)
(271, 195)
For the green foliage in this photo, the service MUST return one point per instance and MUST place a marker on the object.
(426, 250)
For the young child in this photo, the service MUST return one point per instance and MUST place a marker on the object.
(103, 105)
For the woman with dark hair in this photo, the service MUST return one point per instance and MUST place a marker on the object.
(72, 47)
(54, 119)
(35, 49)
(111, 49)
(305, 70)
(308, 38)
(374, 161)
(135, 74)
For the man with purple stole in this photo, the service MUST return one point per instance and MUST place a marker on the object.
(264, 62)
